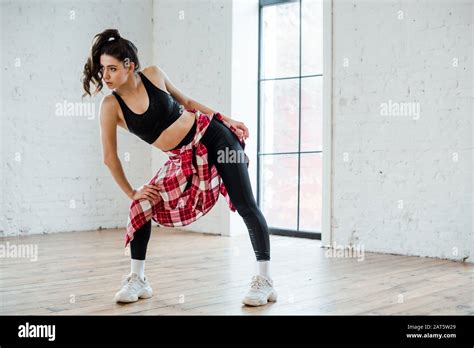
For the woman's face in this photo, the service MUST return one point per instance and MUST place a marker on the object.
(114, 73)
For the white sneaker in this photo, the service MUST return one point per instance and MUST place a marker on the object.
(133, 288)
(261, 291)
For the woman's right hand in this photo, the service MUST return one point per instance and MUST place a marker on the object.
(149, 192)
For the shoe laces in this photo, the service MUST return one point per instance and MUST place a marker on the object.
(257, 283)
(126, 279)
(129, 281)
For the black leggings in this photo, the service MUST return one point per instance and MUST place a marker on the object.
(236, 179)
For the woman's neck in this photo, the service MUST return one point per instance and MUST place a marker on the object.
(130, 87)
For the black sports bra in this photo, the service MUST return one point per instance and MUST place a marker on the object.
(162, 112)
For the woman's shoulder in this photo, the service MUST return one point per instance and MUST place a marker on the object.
(152, 73)
(108, 103)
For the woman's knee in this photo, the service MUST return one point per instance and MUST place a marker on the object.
(247, 209)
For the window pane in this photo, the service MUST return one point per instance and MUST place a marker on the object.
(279, 116)
(311, 113)
(312, 37)
(280, 40)
(311, 192)
(279, 183)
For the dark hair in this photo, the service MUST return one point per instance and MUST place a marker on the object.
(111, 43)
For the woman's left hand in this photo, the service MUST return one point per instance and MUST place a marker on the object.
(242, 130)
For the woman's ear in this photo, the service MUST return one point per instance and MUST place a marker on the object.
(129, 65)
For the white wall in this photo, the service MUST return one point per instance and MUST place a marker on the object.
(2, 138)
(191, 40)
(192, 43)
(53, 177)
(394, 160)
(209, 50)
(245, 87)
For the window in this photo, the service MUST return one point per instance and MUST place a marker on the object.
(290, 95)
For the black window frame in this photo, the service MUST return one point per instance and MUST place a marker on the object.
(273, 230)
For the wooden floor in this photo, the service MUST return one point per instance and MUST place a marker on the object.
(195, 274)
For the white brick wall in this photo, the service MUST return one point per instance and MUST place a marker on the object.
(401, 189)
(52, 170)
(72, 189)
(2, 136)
(192, 43)
(245, 87)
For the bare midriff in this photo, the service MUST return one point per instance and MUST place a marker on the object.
(172, 135)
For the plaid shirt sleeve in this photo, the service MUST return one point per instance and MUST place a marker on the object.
(189, 187)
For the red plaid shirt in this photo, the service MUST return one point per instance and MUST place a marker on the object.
(178, 205)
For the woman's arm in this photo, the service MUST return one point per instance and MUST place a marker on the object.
(116, 169)
(192, 104)
(108, 136)
(182, 98)
(241, 128)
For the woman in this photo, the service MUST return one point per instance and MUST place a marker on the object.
(147, 104)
